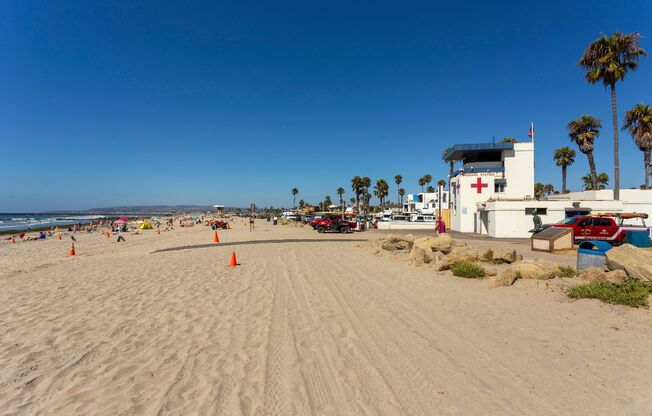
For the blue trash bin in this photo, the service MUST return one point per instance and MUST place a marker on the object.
(592, 253)
(638, 238)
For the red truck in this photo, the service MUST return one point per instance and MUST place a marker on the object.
(607, 227)
(332, 223)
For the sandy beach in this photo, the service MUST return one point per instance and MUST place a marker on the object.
(308, 324)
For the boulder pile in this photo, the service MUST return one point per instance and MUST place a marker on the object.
(441, 251)
(634, 261)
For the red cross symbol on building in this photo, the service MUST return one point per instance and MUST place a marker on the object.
(479, 185)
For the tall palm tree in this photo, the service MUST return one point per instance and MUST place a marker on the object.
(352, 200)
(638, 121)
(397, 180)
(295, 191)
(584, 131)
(381, 190)
(441, 184)
(430, 189)
(340, 192)
(602, 180)
(422, 183)
(356, 185)
(608, 59)
(539, 190)
(327, 202)
(427, 179)
(564, 157)
(401, 193)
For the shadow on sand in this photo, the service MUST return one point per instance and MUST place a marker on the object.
(251, 242)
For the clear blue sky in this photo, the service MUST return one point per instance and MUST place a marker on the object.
(150, 102)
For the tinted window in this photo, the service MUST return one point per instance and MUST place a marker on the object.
(568, 221)
(585, 223)
(602, 222)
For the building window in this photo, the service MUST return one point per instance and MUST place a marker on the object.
(540, 211)
(443, 198)
(499, 187)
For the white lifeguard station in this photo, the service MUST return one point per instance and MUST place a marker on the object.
(492, 192)
(487, 171)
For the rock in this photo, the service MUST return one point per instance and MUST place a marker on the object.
(595, 274)
(505, 256)
(527, 269)
(397, 243)
(417, 256)
(442, 243)
(617, 276)
(505, 278)
(458, 254)
(636, 262)
(435, 258)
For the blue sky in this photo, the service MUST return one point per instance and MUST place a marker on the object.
(153, 102)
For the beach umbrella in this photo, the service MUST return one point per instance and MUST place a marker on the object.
(123, 219)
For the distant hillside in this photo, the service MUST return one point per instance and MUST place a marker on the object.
(152, 209)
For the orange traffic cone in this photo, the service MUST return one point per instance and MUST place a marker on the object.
(216, 238)
(59, 236)
(234, 261)
(72, 250)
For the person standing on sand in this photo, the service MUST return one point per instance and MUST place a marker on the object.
(440, 226)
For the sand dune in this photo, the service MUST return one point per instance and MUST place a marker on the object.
(160, 325)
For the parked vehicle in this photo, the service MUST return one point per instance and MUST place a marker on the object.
(332, 223)
(610, 227)
(219, 224)
(422, 218)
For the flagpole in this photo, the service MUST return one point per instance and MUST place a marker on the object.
(532, 130)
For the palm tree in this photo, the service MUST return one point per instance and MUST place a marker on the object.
(509, 140)
(430, 189)
(608, 59)
(539, 190)
(381, 190)
(401, 193)
(584, 131)
(397, 180)
(427, 179)
(340, 192)
(294, 191)
(327, 202)
(422, 183)
(352, 200)
(564, 157)
(638, 121)
(302, 203)
(549, 189)
(601, 179)
(356, 185)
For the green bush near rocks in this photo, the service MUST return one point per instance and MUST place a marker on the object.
(631, 293)
(468, 270)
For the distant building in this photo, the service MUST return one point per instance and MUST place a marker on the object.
(425, 202)
(492, 192)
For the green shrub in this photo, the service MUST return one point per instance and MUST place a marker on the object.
(566, 271)
(632, 293)
(468, 270)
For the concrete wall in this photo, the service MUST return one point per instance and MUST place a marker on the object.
(405, 226)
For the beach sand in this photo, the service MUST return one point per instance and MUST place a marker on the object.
(308, 324)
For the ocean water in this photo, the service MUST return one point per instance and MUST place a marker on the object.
(19, 222)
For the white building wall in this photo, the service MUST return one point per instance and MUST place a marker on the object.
(519, 171)
(507, 219)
